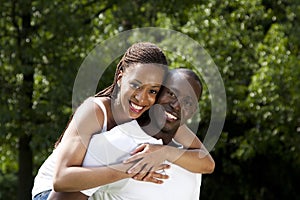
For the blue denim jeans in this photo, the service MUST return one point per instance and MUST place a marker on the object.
(42, 196)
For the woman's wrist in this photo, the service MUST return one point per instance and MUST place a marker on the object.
(122, 170)
(170, 153)
(173, 153)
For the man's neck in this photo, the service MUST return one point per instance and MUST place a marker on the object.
(151, 129)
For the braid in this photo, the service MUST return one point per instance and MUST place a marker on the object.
(143, 52)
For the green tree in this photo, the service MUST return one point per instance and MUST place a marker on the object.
(255, 45)
(42, 45)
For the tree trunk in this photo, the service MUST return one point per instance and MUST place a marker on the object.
(25, 168)
(24, 53)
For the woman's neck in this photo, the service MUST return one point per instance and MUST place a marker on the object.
(117, 115)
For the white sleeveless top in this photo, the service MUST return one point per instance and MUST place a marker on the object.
(44, 179)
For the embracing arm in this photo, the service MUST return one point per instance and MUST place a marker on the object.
(193, 157)
(69, 175)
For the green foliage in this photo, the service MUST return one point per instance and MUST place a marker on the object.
(8, 182)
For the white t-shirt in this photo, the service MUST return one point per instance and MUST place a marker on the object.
(115, 146)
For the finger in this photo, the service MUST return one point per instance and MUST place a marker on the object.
(146, 169)
(161, 167)
(148, 177)
(152, 179)
(157, 175)
(133, 158)
(140, 176)
(139, 149)
(137, 168)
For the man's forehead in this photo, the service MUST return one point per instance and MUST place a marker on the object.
(180, 88)
(182, 84)
(178, 83)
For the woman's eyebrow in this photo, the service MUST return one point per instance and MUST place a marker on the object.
(141, 83)
(138, 81)
(156, 86)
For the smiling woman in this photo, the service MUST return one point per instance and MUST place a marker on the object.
(137, 80)
(138, 89)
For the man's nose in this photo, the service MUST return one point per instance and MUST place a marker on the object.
(175, 104)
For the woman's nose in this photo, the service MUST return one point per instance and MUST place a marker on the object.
(142, 96)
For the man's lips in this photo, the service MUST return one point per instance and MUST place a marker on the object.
(170, 116)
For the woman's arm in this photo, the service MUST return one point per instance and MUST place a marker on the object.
(193, 157)
(69, 175)
(187, 138)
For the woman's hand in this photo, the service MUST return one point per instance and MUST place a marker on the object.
(150, 158)
(153, 177)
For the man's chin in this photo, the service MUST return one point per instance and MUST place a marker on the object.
(170, 127)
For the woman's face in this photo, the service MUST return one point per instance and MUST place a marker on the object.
(139, 85)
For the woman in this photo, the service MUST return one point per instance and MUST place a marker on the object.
(137, 80)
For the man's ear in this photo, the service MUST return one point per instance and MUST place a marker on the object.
(193, 112)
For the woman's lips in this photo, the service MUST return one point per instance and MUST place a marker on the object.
(135, 108)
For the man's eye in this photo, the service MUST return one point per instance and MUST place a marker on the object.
(188, 102)
(171, 94)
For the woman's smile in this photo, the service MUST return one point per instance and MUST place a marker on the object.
(135, 108)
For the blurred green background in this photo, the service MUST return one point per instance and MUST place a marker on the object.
(254, 43)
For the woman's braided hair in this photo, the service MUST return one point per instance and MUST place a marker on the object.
(142, 52)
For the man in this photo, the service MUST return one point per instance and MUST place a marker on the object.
(178, 102)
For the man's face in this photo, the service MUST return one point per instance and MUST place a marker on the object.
(178, 100)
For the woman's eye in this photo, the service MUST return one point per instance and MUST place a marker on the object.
(153, 91)
(134, 85)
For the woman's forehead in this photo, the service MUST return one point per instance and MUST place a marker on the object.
(145, 73)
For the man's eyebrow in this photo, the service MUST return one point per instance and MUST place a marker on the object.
(174, 90)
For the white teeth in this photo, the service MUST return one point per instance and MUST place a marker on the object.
(170, 116)
(137, 107)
